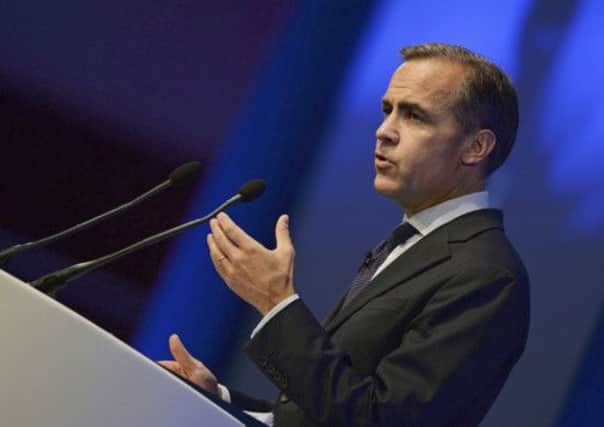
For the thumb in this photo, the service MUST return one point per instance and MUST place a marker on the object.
(282, 233)
(180, 353)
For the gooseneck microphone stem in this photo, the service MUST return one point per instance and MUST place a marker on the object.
(6, 254)
(177, 176)
(53, 282)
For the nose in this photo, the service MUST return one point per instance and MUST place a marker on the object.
(387, 133)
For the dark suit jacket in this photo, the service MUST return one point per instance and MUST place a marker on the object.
(430, 342)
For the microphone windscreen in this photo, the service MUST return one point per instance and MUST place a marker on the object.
(251, 189)
(184, 172)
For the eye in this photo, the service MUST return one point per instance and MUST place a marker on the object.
(412, 115)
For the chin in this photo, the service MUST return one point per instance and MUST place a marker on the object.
(387, 188)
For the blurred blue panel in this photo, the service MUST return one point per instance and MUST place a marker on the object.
(572, 125)
(274, 138)
(585, 403)
(488, 27)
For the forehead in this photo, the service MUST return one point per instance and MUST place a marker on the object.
(431, 81)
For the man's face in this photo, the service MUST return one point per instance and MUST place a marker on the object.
(419, 143)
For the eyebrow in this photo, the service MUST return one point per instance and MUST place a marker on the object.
(406, 105)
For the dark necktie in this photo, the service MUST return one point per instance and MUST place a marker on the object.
(376, 257)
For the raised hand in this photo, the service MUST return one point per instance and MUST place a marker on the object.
(262, 277)
(188, 367)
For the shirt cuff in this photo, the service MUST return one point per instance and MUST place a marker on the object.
(276, 309)
(265, 418)
(224, 393)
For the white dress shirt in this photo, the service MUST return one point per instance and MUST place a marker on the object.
(424, 222)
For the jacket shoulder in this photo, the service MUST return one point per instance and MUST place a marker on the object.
(478, 241)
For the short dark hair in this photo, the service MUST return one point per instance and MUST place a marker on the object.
(486, 99)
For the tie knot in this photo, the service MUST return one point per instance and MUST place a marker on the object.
(400, 235)
(374, 259)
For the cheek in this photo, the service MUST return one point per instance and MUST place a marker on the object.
(414, 159)
(426, 160)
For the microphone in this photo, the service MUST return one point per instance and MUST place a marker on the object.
(53, 282)
(178, 176)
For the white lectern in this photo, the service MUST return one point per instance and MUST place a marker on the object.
(59, 369)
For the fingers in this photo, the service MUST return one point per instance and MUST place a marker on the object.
(219, 259)
(229, 237)
(226, 242)
(282, 236)
(172, 366)
(181, 355)
(233, 232)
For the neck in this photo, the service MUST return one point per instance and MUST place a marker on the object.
(413, 208)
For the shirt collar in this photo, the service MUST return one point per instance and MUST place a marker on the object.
(433, 217)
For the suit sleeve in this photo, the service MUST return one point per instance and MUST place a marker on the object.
(248, 403)
(467, 337)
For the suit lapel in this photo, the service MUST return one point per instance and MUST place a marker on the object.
(329, 318)
(335, 310)
(428, 252)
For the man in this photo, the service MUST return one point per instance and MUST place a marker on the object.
(438, 314)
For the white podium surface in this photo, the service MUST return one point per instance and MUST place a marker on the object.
(59, 369)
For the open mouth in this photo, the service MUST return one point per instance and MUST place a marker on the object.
(381, 159)
(382, 162)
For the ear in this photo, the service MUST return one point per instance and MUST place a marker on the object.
(478, 147)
